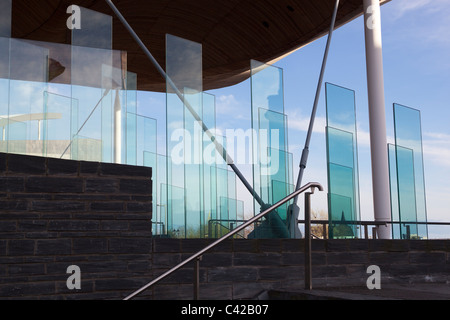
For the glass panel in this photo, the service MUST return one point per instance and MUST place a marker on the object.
(270, 146)
(342, 157)
(95, 31)
(267, 87)
(151, 160)
(340, 147)
(87, 148)
(5, 18)
(175, 210)
(406, 190)
(193, 165)
(340, 108)
(57, 125)
(340, 180)
(184, 134)
(343, 207)
(29, 62)
(146, 138)
(4, 59)
(131, 138)
(267, 114)
(408, 134)
(4, 91)
(209, 172)
(111, 114)
(281, 190)
(396, 228)
(161, 193)
(29, 74)
(95, 75)
(16, 136)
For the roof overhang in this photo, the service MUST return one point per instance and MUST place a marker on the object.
(231, 31)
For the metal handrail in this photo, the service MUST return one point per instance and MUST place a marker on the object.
(198, 255)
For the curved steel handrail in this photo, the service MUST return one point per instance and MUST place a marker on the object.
(311, 185)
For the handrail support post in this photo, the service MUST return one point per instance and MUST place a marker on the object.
(197, 278)
(308, 264)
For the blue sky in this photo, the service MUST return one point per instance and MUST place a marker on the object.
(416, 51)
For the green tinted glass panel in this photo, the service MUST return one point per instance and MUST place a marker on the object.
(267, 118)
(396, 228)
(269, 143)
(408, 134)
(281, 190)
(406, 188)
(343, 208)
(340, 147)
(342, 158)
(340, 108)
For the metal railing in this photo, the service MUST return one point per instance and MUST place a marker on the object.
(196, 258)
(366, 224)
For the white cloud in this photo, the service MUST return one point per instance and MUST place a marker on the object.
(402, 7)
(436, 147)
(298, 122)
(228, 104)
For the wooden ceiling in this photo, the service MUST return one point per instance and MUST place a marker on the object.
(231, 31)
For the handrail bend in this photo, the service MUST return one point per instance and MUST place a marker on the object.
(311, 185)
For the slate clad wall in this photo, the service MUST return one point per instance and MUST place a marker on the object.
(242, 269)
(57, 213)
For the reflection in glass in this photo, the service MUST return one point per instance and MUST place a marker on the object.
(5, 18)
(270, 153)
(58, 125)
(395, 211)
(339, 226)
(342, 161)
(184, 134)
(96, 30)
(410, 170)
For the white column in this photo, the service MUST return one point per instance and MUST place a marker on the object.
(377, 115)
(117, 129)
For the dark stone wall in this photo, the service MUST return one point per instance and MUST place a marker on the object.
(57, 213)
(242, 269)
